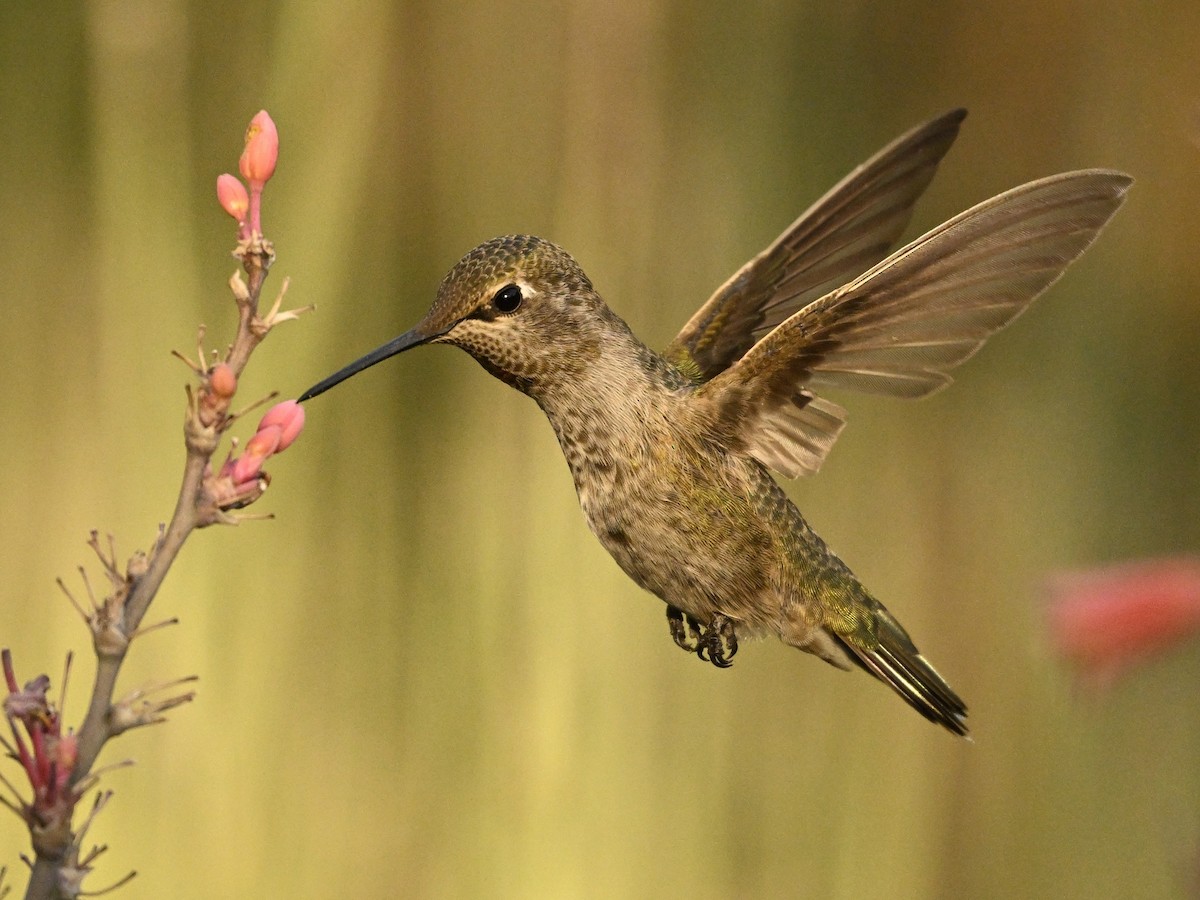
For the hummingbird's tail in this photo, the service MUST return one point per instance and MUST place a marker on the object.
(895, 661)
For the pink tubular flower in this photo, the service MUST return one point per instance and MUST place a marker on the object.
(258, 450)
(241, 480)
(232, 196)
(257, 164)
(288, 416)
(1107, 620)
(277, 430)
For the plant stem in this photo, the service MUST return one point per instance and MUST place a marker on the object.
(95, 730)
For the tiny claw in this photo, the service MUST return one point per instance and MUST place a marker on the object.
(685, 630)
(719, 642)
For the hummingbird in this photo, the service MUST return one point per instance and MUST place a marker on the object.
(672, 452)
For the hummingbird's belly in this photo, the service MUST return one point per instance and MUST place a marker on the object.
(697, 543)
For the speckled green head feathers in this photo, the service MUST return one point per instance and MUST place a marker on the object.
(532, 264)
(519, 304)
(523, 308)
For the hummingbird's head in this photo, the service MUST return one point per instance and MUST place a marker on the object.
(519, 304)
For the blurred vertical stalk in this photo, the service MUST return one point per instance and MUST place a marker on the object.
(138, 105)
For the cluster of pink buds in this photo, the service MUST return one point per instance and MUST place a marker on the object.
(257, 165)
(46, 754)
(241, 479)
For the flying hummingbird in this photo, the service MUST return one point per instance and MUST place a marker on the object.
(670, 451)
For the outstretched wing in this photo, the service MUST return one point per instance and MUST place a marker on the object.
(900, 327)
(849, 229)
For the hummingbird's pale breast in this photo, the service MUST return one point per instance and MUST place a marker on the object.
(707, 531)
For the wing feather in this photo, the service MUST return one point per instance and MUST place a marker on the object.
(849, 229)
(900, 327)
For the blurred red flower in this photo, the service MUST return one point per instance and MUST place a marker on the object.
(1105, 621)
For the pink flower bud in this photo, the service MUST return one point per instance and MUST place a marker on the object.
(232, 196)
(258, 449)
(288, 416)
(222, 382)
(246, 468)
(257, 164)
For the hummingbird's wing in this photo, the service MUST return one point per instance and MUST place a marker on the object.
(849, 229)
(900, 327)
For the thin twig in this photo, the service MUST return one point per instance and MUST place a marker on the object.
(117, 619)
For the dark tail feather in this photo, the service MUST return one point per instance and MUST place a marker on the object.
(896, 662)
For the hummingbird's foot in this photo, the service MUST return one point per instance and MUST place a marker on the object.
(719, 642)
(685, 631)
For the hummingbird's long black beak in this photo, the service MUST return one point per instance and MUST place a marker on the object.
(409, 339)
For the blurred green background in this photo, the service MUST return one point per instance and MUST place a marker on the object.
(425, 678)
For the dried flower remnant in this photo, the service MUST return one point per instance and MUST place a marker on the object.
(45, 753)
(77, 865)
(1106, 621)
(146, 705)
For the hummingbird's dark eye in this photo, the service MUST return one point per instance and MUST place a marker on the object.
(507, 299)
